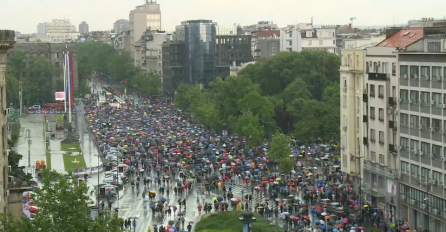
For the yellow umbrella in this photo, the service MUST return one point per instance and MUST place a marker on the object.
(278, 179)
(291, 156)
(366, 206)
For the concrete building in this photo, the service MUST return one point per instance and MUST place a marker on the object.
(261, 25)
(362, 42)
(265, 44)
(123, 41)
(304, 37)
(143, 17)
(59, 26)
(352, 119)
(84, 28)
(427, 22)
(53, 53)
(191, 57)
(121, 25)
(233, 50)
(151, 50)
(41, 29)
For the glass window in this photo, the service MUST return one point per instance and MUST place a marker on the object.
(414, 122)
(381, 114)
(414, 145)
(373, 156)
(436, 73)
(425, 123)
(381, 137)
(425, 173)
(425, 72)
(425, 148)
(372, 134)
(380, 91)
(436, 151)
(405, 167)
(425, 98)
(415, 170)
(381, 159)
(437, 176)
(414, 95)
(404, 95)
(436, 124)
(404, 120)
(372, 90)
(404, 71)
(404, 143)
(372, 112)
(436, 98)
(414, 71)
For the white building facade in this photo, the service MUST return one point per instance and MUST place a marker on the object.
(304, 37)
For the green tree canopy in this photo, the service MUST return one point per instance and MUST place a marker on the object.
(63, 206)
(249, 126)
(279, 146)
(148, 84)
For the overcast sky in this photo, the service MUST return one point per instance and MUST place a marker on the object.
(24, 15)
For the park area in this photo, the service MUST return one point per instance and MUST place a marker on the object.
(73, 161)
(229, 222)
(70, 147)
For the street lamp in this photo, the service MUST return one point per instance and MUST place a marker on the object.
(247, 219)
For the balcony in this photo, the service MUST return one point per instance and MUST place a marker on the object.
(365, 141)
(365, 97)
(392, 101)
(392, 148)
(364, 118)
(378, 76)
(392, 125)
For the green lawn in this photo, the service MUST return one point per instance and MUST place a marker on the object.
(59, 118)
(48, 161)
(47, 127)
(229, 221)
(70, 147)
(67, 158)
(24, 115)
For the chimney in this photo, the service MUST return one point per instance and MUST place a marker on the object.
(349, 26)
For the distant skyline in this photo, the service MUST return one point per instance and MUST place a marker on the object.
(24, 15)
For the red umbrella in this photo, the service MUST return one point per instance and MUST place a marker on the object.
(307, 217)
(314, 207)
(280, 203)
(271, 180)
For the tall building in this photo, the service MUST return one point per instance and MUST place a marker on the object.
(261, 25)
(147, 16)
(232, 47)
(191, 57)
(151, 49)
(83, 28)
(304, 37)
(41, 29)
(265, 44)
(121, 25)
(6, 42)
(59, 26)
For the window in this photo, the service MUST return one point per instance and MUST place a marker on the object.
(414, 121)
(381, 137)
(437, 176)
(372, 135)
(366, 67)
(381, 114)
(358, 81)
(436, 151)
(425, 148)
(436, 98)
(425, 173)
(344, 101)
(373, 156)
(290, 35)
(405, 167)
(381, 159)
(425, 123)
(384, 67)
(425, 98)
(357, 124)
(436, 124)
(344, 157)
(393, 68)
(414, 71)
(404, 143)
(357, 59)
(415, 170)
(372, 90)
(425, 72)
(404, 120)
(309, 42)
(436, 73)
(404, 95)
(414, 95)
(404, 71)
(414, 145)
(321, 42)
(372, 112)
(334, 42)
(380, 91)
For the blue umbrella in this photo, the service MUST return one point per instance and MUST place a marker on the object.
(256, 170)
(163, 200)
(323, 227)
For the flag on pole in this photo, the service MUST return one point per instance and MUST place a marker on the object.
(125, 91)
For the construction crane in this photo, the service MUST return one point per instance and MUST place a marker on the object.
(351, 21)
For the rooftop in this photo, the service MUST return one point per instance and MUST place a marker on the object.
(268, 33)
(402, 39)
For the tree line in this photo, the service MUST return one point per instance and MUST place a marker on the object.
(119, 66)
(293, 92)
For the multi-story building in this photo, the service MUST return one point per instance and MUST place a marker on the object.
(232, 47)
(41, 29)
(352, 119)
(151, 50)
(147, 16)
(304, 37)
(121, 25)
(59, 26)
(265, 44)
(191, 56)
(53, 52)
(261, 25)
(427, 22)
(83, 28)
(123, 41)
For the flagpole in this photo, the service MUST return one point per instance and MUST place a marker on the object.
(69, 87)
(20, 97)
(65, 81)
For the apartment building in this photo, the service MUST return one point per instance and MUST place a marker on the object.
(352, 119)
(423, 139)
(84, 28)
(265, 44)
(304, 37)
(151, 50)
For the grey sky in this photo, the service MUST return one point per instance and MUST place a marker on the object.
(24, 15)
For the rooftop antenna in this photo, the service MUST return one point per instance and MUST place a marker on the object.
(311, 20)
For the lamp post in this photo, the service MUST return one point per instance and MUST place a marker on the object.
(247, 219)
(29, 147)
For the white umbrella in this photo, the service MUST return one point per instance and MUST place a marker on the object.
(233, 199)
(315, 168)
(324, 213)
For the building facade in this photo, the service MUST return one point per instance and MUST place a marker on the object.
(303, 36)
(233, 50)
(352, 119)
(121, 25)
(266, 44)
(151, 50)
(59, 26)
(53, 52)
(84, 28)
(41, 29)
(422, 113)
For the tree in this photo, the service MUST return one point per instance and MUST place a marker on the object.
(279, 147)
(120, 67)
(296, 89)
(99, 55)
(85, 70)
(207, 112)
(249, 126)
(148, 84)
(186, 96)
(39, 81)
(286, 164)
(63, 206)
